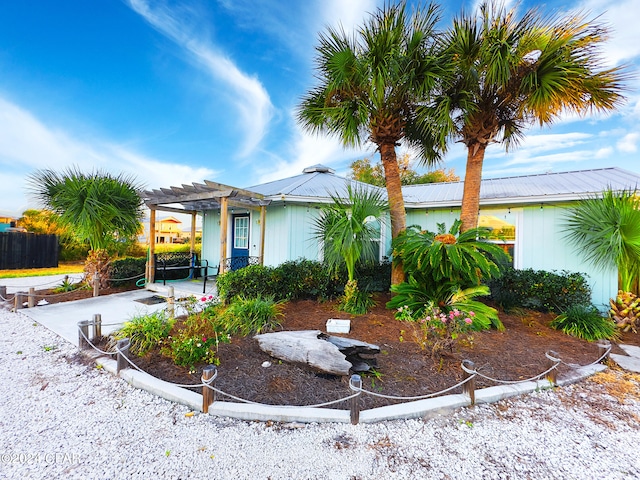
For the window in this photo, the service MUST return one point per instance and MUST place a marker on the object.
(241, 232)
(503, 226)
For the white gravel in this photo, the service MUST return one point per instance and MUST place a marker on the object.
(61, 417)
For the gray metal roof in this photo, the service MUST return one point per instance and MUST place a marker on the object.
(315, 183)
(546, 187)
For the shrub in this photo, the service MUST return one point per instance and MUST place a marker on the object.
(246, 316)
(127, 270)
(250, 281)
(302, 279)
(540, 290)
(374, 276)
(354, 300)
(586, 322)
(188, 351)
(146, 331)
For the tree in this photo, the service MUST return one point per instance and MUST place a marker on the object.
(48, 222)
(509, 73)
(607, 232)
(363, 171)
(347, 229)
(370, 85)
(98, 208)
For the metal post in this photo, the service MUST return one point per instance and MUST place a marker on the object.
(96, 284)
(121, 357)
(356, 383)
(31, 299)
(469, 388)
(19, 299)
(97, 326)
(83, 334)
(209, 374)
(171, 302)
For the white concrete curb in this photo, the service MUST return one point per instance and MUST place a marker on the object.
(289, 414)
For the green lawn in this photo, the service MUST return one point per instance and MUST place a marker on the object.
(63, 268)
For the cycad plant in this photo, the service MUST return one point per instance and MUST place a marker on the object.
(606, 230)
(446, 268)
(347, 229)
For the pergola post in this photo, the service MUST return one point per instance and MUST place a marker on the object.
(263, 220)
(223, 232)
(193, 232)
(151, 265)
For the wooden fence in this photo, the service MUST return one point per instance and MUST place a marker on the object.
(27, 250)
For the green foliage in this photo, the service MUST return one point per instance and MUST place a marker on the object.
(363, 171)
(586, 322)
(146, 332)
(48, 222)
(347, 228)
(411, 296)
(66, 286)
(607, 232)
(126, 268)
(354, 300)
(540, 290)
(98, 208)
(250, 281)
(188, 351)
(461, 259)
(437, 330)
(247, 316)
(178, 247)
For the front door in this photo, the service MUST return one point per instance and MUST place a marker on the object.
(240, 241)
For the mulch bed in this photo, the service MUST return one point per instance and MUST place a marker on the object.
(402, 369)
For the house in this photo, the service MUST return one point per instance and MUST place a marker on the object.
(273, 222)
(167, 230)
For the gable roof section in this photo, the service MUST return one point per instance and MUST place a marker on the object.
(547, 187)
(315, 183)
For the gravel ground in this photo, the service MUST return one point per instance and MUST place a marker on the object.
(61, 417)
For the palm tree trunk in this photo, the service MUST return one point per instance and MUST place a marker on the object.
(472, 181)
(396, 202)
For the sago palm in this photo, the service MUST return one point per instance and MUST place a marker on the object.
(509, 73)
(369, 85)
(607, 232)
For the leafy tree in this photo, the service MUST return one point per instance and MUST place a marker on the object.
(98, 208)
(363, 171)
(510, 72)
(607, 232)
(370, 85)
(347, 230)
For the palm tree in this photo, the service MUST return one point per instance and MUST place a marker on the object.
(347, 229)
(510, 73)
(99, 208)
(369, 86)
(607, 232)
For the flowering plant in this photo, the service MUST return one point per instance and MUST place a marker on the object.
(437, 330)
(187, 351)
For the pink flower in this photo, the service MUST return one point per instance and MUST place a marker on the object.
(210, 297)
(456, 312)
(204, 339)
(471, 314)
(468, 321)
(203, 299)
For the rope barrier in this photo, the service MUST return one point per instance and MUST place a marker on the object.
(93, 346)
(512, 382)
(418, 397)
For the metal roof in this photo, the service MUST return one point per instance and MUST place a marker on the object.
(546, 187)
(315, 183)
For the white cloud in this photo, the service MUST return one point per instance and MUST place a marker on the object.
(27, 144)
(251, 99)
(629, 143)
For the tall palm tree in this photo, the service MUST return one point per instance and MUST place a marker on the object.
(369, 86)
(98, 208)
(510, 73)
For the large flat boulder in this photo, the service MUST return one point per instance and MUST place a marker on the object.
(305, 347)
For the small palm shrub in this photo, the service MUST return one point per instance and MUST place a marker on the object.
(586, 322)
(246, 316)
(146, 332)
(354, 300)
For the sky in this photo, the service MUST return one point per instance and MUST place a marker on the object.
(175, 92)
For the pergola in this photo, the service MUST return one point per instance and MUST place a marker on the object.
(198, 197)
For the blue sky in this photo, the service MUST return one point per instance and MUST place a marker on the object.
(179, 92)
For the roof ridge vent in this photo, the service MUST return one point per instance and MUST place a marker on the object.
(318, 169)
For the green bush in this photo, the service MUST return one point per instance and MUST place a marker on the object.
(250, 281)
(146, 332)
(247, 316)
(540, 290)
(586, 322)
(123, 269)
(354, 300)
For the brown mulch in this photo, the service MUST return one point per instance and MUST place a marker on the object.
(402, 368)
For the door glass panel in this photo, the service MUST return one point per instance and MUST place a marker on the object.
(241, 232)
